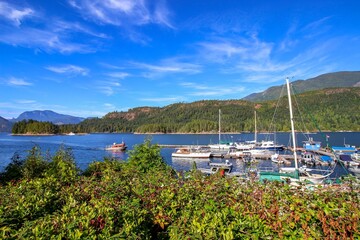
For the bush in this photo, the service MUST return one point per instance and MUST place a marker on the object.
(141, 199)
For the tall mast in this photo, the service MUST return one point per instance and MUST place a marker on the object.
(255, 128)
(292, 123)
(219, 125)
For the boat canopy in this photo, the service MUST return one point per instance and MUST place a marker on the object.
(345, 157)
(326, 158)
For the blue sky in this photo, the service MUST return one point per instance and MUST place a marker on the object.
(90, 57)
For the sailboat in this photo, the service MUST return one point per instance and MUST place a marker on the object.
(222, 144)
(248, 145)
(296, 174)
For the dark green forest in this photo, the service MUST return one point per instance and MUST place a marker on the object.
(333, 109)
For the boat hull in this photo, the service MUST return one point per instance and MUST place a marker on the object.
(191, 155)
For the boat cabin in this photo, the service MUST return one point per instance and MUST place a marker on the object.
(311, 145)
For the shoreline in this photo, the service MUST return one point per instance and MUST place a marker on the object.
(160, 133)
(45, 134)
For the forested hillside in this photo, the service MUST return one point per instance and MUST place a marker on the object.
(330, 109)
(328, 80)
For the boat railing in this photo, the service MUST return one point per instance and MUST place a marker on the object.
(318, 170)
(266, 169)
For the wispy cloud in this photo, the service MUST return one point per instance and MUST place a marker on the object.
(25, 101)
(68, 70)
(120, 75)
(197, 89)
(163, 99)
(165, 67)
(225, 49)
(109, 87)
(12, 81)
(62, 26)
(44, 40)
(15, 14)
(45, 33)
(109, 106)
(123, 12)
(110, 66)
(259, 61)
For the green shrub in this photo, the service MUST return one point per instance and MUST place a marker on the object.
(34, 165)
(142, 199)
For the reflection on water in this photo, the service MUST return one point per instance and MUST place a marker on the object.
(187, 163)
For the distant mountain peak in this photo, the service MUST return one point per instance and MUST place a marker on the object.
(5, 125)
(49, 116)
(327, 80)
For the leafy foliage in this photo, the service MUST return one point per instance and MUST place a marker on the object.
(143, 199)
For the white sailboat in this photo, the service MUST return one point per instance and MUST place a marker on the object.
(296, 174)
(248, 145)
(221, 145)
(192, 152)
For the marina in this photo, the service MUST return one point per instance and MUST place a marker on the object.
(91, 147)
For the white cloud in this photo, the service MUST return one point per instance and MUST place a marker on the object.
(14, 14)
(123, 12)
(162, 15)
(245, 49)
(46, 33)
(108, 88)
(18, 82)
(25, 101)
(61, 26)
(165, 67)
(164, 99)
(120, 75)
(42, 39)
(69, 70)
(109, 106)
(205, 90)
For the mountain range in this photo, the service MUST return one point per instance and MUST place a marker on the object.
(39, 115)
(328, 80)
(48, 116)
(5, 125)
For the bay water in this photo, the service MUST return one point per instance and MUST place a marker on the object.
(91, 147)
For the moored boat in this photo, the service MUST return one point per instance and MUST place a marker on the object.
(270, 145)
(222, 168)
(276, 158)
(296, 174)
(354, 170)
(346, 160)
(192, 152)
(222, 145)
(344, 149)
(311, 145)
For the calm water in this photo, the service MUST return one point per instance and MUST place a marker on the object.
(91, 147)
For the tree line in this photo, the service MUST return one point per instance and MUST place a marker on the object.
(330, 109)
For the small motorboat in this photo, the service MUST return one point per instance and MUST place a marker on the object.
(117, 147)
